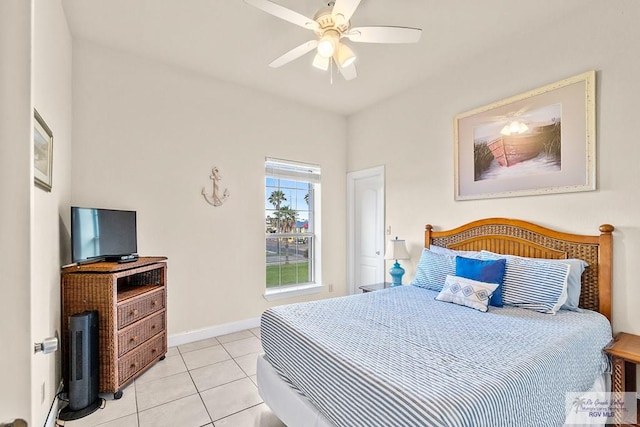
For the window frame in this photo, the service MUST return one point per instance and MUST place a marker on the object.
(287, 170)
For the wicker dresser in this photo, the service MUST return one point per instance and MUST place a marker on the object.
(132, 309)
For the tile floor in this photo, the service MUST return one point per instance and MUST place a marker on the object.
(210, 383)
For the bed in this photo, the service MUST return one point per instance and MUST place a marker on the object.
(399, 357)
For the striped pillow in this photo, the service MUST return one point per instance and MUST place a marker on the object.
(433, 269)
(574, 282)
(535, 284)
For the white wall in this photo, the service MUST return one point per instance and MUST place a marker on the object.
(16, 192)
(146, 136)
(412, 134)
(50, 241)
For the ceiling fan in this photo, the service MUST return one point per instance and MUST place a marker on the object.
(332, 25)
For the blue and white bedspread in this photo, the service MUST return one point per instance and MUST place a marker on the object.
(398, 357)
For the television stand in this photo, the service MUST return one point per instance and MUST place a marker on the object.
(132, 310)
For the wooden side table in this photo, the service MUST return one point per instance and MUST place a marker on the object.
(625, 354)
(374, 287)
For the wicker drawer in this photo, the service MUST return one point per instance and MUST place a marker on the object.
(137, 308)
(139, 358)
(138, 333)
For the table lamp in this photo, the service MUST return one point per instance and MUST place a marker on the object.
(396, 249)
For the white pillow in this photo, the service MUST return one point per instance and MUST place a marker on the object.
(467, 292)
(447, 251)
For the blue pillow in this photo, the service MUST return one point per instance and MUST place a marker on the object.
(574, 282)
(487, 271)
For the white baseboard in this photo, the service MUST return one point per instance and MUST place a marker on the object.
(212, 331)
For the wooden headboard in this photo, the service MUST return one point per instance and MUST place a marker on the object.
(522, 238)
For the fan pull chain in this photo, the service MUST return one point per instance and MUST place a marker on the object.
(331, 71)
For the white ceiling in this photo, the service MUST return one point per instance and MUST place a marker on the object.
(232, 41)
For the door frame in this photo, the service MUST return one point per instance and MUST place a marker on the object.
(352, 177)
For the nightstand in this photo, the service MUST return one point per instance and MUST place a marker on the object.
(374, 287)
(625, 354)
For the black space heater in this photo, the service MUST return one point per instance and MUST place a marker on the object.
(83, 367)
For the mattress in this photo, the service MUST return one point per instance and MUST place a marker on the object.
(397, 357)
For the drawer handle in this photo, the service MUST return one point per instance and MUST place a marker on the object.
(154, 303)
(133, 365)
(153, 326)
(134, 312)
(153, 350)
(134, 339)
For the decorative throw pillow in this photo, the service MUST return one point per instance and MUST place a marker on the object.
(574, 281)
(488, 271)
(535, 284)
(432, 270)
(466, 292)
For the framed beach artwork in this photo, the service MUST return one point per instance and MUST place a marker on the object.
(539, 142)
(42, 153)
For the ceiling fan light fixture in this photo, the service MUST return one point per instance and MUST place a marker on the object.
(330, 25)
(345, 55)
(327, 43)
(321, 62)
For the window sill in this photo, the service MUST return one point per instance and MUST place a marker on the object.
(292, 291)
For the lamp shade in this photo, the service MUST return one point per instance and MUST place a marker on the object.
(396, 249)
(345, 55)
(321, 62)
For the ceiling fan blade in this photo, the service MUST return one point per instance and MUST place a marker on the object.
(343, 10)
(384, 34)
(294, 53)
(283, 13)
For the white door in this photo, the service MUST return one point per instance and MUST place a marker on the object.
(366, 227)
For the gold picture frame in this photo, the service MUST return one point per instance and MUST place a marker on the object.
(538, 142)
(42, 153)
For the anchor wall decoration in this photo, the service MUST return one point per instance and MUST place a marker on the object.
(215, 198)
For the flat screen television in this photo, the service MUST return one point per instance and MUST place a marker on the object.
(103, 234)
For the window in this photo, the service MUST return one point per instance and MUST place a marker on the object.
(291, 206)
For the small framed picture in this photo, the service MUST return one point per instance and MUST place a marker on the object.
(42, 153)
